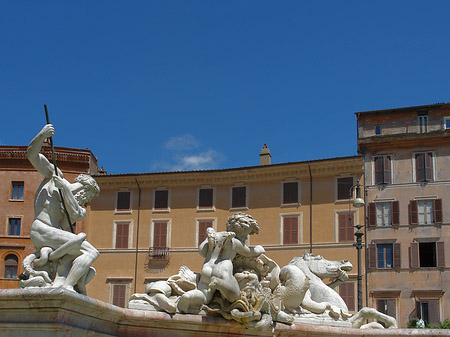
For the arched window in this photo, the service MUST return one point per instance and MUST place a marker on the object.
(11, 263)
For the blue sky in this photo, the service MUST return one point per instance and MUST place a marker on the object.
(183, 85)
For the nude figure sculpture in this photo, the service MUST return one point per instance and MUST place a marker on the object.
(66, 256)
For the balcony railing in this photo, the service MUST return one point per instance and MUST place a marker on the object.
(158, 253)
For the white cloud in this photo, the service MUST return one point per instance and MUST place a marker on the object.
(200, 161)
(182, 143)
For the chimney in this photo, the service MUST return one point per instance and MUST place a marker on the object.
(265, 156)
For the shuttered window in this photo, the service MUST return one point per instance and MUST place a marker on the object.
(161, 199)
(14, 226)
(387, 306)
(202, 226)
(290, 230)
(347, 292)
(123, 201)
(423, 212)
(384, 256)
(424, 166)
(159, 234)
(119, 291)
(122, 232)
(384, 214)
(382, 170)
(238, 197)
(428, 310)
(11, 263)
(205, 198)
(344, 186)
(427, 255)
(346, 229)
(290, 193)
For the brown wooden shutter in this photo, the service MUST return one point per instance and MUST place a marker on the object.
(379, 171)
(437, 211)
(347, 292)
(162, 199)
(346, 229)
(414, 255)
(290, 193)
(396, 261)
(428, 166)
(372, 250)
(413, 213)
(205, 198)
(386, 169)
(290, 230)
(160, 235)
(372, 215)
(420, 167)
(440, 254)
(123, 201)
(238, 197)
(202, 226)
(122, 230)
(395, 214)
(434, 312)
(119, 295)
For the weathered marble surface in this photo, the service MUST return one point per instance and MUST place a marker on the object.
(54, 312)
(241, 283)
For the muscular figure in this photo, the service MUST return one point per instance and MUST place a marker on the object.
(50, 226)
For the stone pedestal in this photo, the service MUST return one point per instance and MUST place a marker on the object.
(58, 312)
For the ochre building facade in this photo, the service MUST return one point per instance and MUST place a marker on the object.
(148, 225)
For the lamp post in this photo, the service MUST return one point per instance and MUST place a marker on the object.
(358, 202)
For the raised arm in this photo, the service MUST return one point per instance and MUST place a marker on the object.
(39, 161)
(243, 249)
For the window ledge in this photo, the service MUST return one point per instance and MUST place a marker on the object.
(342, 201)
(235, 209)
(167, 210)
(16, 200)
(292, 205)
(123, 212)
(206, 209)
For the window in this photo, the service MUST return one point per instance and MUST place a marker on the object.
(205, 198)
(345, 225)
(424, 166)
(11, 263)
(424, 212)
(427, 255)
(347, 292)
(160, 234)
(119, 291)
(239, 197)
(447, 122)
(202, 226)
(344, 186)
(384, 255)
(387, 306)
(428, 310)
(161, 199)
(123, 201)
(422, 121)
(290, 230)
(122, 234)
(378, 129)
(384, 214)
(382, 170)
(14, 226)
(290, 193)
(17, 190)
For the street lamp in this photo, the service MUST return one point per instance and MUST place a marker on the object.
(358, 202)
